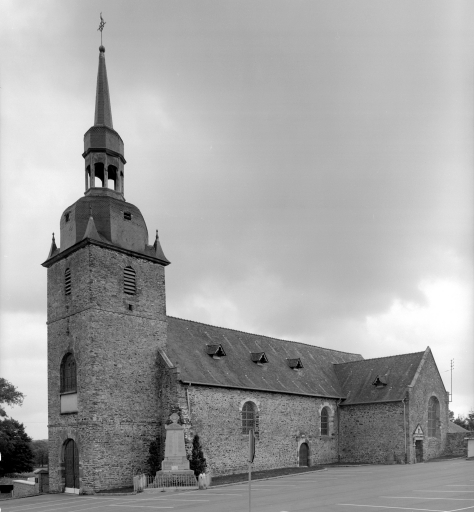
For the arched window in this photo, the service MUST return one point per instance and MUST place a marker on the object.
(129, 281)
(68, 374)
(325, 422)
(249, 417)
(433, 417)
(67, 281)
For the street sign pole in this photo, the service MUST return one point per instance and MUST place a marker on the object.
(251, 458)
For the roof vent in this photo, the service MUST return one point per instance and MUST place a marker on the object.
(379, 382)
(295, 364)
(259, 358)
(216, 351)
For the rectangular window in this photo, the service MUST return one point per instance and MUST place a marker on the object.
(127, 215)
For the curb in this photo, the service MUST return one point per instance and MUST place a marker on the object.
(263, 479)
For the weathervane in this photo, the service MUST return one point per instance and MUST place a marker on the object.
(101, 27)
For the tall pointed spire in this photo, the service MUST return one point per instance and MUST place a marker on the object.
(103, 110)
(103, 146)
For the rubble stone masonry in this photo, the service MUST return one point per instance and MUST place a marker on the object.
(115, 339)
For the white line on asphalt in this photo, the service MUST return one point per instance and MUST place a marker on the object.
(398, 508)
(220, 494)
(46, 503)
(166, 499)
(435, 490)
(275, 485)
(86, 509)
(139, 506)
(459, 485)
(423, 498)
(457, 509)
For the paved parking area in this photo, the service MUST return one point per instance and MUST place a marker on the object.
(434, 487)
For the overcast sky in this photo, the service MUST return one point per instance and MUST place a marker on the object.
(309, 166)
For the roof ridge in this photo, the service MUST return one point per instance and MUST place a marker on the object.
(264, 336)
(383, 357)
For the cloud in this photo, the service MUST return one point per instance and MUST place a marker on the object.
(24, 364)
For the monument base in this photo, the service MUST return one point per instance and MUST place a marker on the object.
(178, 479)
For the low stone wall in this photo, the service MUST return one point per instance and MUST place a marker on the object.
(23, 488)
(456, 443)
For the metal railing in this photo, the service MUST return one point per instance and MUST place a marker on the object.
(163, 481)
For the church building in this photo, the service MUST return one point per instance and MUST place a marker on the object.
(118, 366)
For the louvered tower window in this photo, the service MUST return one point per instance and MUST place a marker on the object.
(324, 422)
(129, 281)
(249, 418)
(67, 281)
(68, 374)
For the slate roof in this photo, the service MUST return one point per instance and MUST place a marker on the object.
(454, 428)
(187, 346)
(357, 378)
(103, 110)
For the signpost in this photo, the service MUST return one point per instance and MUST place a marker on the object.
(251, 458)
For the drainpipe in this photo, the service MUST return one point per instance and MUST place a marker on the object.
(188, 401)
(405, 429)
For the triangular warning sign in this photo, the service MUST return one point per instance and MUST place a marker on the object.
(418, 431)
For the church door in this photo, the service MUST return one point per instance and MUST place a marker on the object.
(419, 450)
(71, 466)
(304, 453)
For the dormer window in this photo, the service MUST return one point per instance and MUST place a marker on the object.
(259, 358)
(215, 351)
(379, 382)
(295, 363)
(127, 216)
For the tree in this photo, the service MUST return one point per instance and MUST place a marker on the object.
(197, 463)
(470, 420)
(40, 452)
(9, 395)
(461, 421)
(156, 456)
(17, 456)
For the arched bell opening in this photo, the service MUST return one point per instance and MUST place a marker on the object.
(100, 174)
(112, 181)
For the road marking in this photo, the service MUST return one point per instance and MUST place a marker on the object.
(398, 508)
(459, 485)
(423, 498)
(435, 490)
(169, 499)
(46, 503)
(139, 506)
(274, 485)
(220, 494)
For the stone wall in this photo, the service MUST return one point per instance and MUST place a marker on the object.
(284, 422)
(456, 443)
(23, 489)
(427, 383)
(115, 347)
(372, 433)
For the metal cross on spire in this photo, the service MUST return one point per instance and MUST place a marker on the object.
(101, 27)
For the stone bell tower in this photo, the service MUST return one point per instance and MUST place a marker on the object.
(106, 322)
